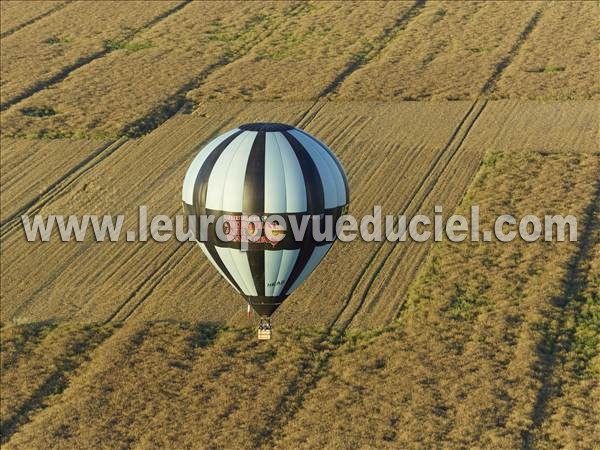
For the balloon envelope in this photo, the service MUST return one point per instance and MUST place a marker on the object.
(252, 172)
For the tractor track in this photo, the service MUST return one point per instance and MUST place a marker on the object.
(445, 156)
(150, 283)
(453, 149)
(57, 272)
(35, 19)
(503, 64)
(85, 60)
(311, 113)
(383, 40)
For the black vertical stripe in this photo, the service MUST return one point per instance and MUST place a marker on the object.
(254, 203)
(315, 203)
(215, 255)
(254, 179)
(256, 260)
(201, 183)
(335, 160)
(315, 196)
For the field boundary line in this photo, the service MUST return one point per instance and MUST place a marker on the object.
(405, 206)
(58, 187)
(465, 189)
(449, 153)
(490, 83)
(34, 19)
(85, 60)
(575, 282)
(363, 59)
(55, 384)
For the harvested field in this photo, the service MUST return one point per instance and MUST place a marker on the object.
(30, 169)
(75, 36)
(60, 291)
(408, 156)
(149, 84)
(315, 46)
(171, 280)
(381, 290)
(15, 15)
(538, 126)
(404, 344)
(466, 361)
(129, 81)
(39, 372)
(462, 359)
(444, 53)
(553, 64)
(173, 373)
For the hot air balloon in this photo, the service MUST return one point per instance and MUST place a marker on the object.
(248, 175)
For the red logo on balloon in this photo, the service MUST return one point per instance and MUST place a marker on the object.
(252, 229)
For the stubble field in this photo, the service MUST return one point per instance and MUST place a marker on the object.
(387, 345)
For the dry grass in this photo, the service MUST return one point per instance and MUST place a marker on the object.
(16, 14)
(560, 60)
(317, 46)
(74, 34)
(132, 91)
(570, 417)
(462, 367)
(285, 51)
(18, 341)
(175, 385)
(30, 379)
(447, 52)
